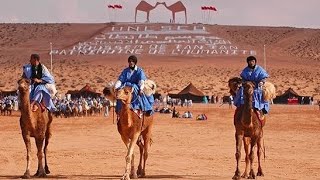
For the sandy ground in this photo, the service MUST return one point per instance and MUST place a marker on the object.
(91, 148)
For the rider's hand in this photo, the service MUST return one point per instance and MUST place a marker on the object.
(261, 83)
(37, 80)
(141, 92)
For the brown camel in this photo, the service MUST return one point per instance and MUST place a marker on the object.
(133, 130)
(176, 7)
(248, 127)
(34, 124)
(145, 7)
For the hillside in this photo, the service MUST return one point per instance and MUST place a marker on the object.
(293, 58)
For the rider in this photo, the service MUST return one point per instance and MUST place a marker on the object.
(134, 76)
(258, 76)
(39, 76)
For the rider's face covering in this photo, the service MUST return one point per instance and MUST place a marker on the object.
(132, 64)
(252, 64)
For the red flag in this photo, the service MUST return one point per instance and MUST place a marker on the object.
(110, 6)
(213, 8)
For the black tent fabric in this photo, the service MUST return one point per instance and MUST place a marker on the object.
(86, 91)
(190, 93)
(291, 97)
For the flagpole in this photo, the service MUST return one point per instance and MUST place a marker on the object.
(264, 57)
(51, 57)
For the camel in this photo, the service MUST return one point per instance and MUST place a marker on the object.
(176, 7)
(145, 7)
(248, 128)
(133, 130)
(34, 124)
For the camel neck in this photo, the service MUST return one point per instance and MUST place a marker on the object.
(126, 114)
(247, 110)
(25, 104)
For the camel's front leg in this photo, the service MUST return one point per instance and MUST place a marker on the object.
(253, 145)
(126, 175)
(259, 151)
(239, 137)
(26, 139)
(246, 142)
(40, 172)
(140, 144)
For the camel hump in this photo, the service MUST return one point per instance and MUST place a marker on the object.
(149, 87)
(269, 91)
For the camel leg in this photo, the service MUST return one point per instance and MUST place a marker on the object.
(140, 144)
(246, 142)
(239, 138)
(40, 172)
(253, 145)
(259, 151)
(47, 138)
(26, 139)
(129, 156)
(147, 140)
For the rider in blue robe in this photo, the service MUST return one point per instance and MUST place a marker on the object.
(39, 76)
(258, 75)
(134, 77)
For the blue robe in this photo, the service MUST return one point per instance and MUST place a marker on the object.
(142, 102)
(40, 92)
(257, 75)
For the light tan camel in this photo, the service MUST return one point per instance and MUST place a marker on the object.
(34, 124)
(133, 130)
(248, 129)
(175, 8)
(145, 7)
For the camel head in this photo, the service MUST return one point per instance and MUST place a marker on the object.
(248, 88)
(109, 92)
(234, 85)
(24, 85)
(125, 94)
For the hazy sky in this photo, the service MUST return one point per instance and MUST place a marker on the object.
(294, 13)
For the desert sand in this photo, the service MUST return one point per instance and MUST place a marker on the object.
(91, 148)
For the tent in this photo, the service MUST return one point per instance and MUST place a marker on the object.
(8, 93)
(190, 93)
(291, 97)
(86, 91)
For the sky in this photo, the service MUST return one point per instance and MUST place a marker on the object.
(291, 13)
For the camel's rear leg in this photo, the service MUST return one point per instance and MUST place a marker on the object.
(45, 149)
(259, 151)
(147, 143)
(40, 172)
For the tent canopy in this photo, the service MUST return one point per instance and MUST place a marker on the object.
(291, 94)
(190, 93)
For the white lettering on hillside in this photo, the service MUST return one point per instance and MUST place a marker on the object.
(172, 40)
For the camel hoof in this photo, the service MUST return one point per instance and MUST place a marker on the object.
(125, 176)
(26, 175)
(236, 177)
(251, 175)
(134, 176)
(141, 173)
(40, 174)
(46, 168)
